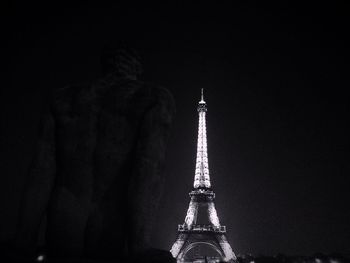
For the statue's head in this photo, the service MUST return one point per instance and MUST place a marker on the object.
(122, 61)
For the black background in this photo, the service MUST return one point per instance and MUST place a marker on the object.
(275, 81)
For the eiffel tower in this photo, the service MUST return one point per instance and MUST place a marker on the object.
(204, 242)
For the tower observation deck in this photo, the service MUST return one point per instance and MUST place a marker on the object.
(197, 241)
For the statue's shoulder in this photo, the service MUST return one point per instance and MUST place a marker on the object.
(158, 95)
(64, 98)
(161, 102)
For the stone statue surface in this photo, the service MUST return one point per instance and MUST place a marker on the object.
(97, 173)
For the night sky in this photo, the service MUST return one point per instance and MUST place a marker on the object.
(275, 82)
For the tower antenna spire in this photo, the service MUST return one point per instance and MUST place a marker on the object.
(202, 97)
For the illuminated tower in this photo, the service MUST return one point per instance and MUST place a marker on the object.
(201, 237)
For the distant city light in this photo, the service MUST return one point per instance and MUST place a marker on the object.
(40, 258)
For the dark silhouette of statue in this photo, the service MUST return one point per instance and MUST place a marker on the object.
(97, 172)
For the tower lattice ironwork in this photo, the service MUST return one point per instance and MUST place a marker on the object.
(202, 242)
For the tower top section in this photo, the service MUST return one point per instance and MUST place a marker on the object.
(202, 178)
(202, 106)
